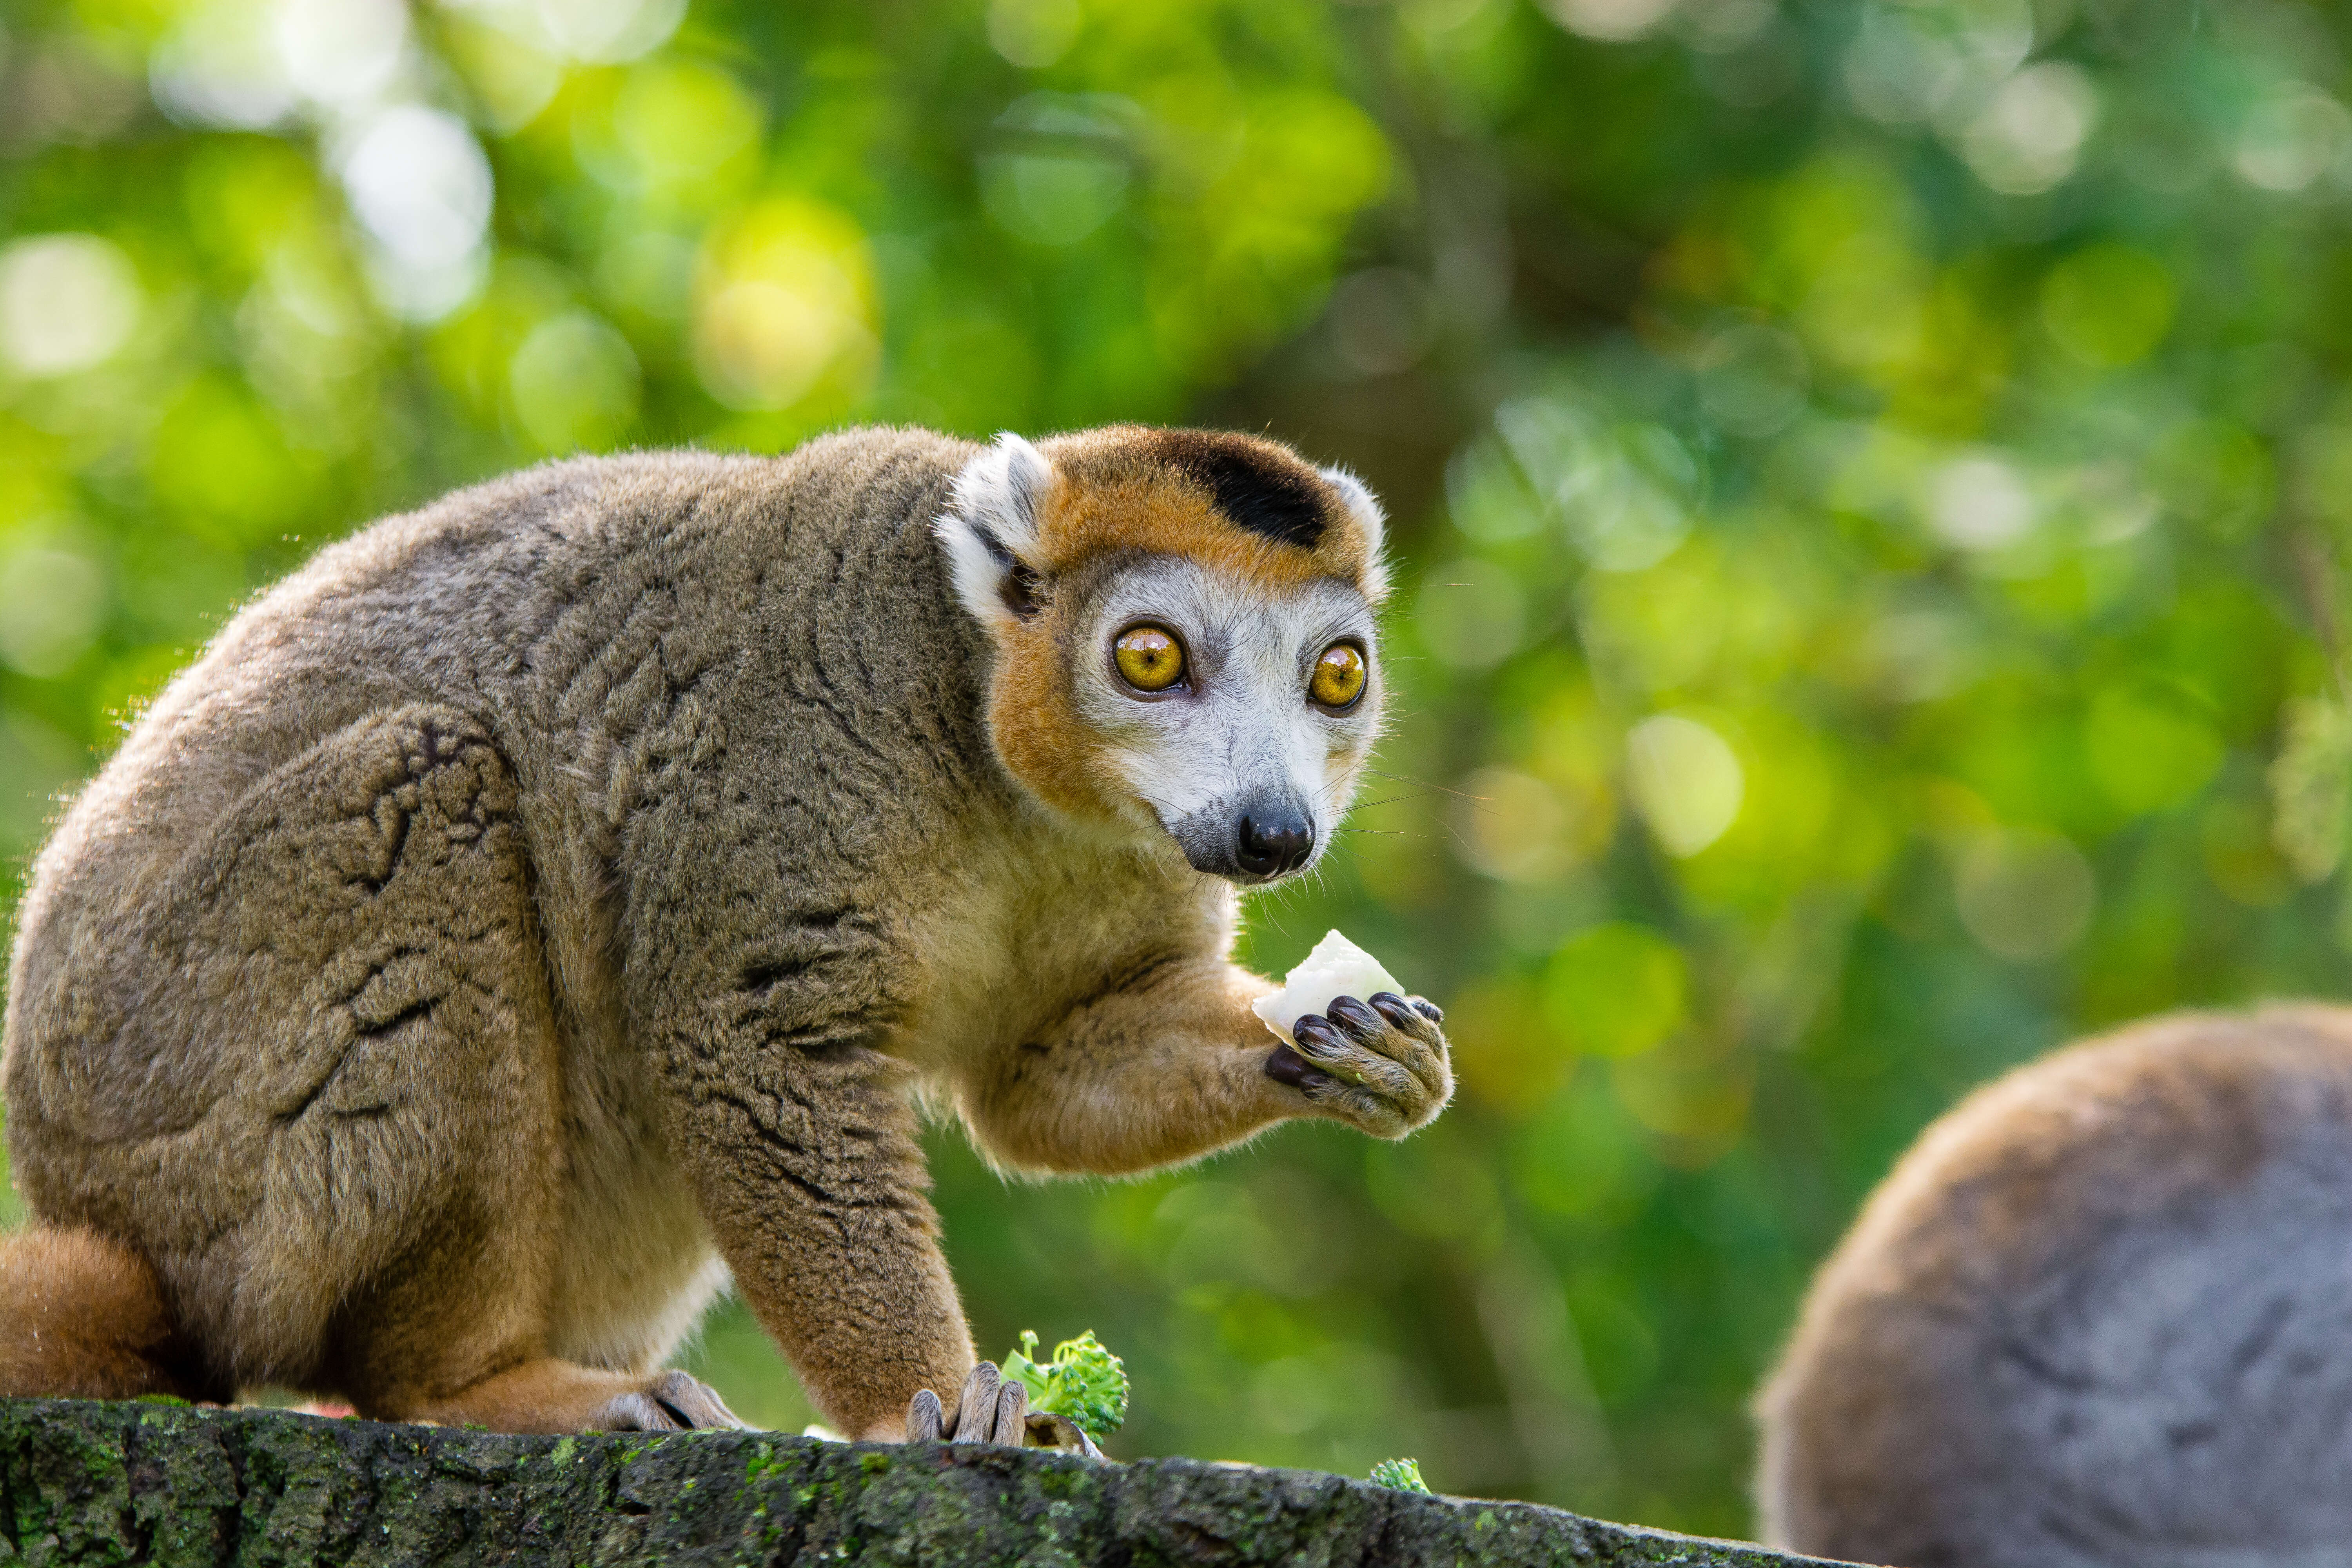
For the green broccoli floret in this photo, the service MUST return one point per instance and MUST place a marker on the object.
(1404, 1475)
(1083, 1382)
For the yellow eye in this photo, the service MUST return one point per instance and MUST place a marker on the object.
(1149, 657)
(1338, 676)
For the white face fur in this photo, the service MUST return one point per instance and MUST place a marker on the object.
(1238, 736)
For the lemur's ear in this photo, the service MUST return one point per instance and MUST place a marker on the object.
(990, 529)
(1365, 507)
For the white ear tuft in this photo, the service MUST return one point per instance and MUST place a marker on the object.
(1365, 507)
(990, 529)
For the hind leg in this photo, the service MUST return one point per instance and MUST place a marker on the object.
(343, 1147)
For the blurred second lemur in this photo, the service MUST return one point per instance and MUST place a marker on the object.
(2101, 1314)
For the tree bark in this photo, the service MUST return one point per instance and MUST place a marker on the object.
(95, 1484)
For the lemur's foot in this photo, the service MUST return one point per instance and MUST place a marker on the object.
(669, 1401)
(1382, 1066)
(993, 1408)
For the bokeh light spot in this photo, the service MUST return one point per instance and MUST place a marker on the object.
(2294, 139)
(1033, 34)
(1684, 779)
(785, 301)
(2030, 135)
(421, 186)
(1512, 826)
(51, 598)
(68, 301)
(606, 32)
(1979, 503)
(1612, 21)
(1752, 379)
(574, 381)
(1471, 613)
(2026, 895)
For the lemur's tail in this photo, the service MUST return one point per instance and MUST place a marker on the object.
(82, 1317)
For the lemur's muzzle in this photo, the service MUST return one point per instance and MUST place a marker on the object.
(1267, 838)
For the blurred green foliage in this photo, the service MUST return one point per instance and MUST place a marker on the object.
(1868, 478)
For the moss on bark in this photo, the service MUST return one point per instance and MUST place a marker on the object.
(95, 1484)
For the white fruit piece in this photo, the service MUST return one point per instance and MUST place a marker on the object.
(1336, 968)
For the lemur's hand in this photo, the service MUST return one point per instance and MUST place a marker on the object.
(1383, 1067)
(994, 1409)
(669, 1401)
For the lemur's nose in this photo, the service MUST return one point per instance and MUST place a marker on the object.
(1271, 840)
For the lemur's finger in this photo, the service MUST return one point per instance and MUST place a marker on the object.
(975, 1414)
(635, 1411)
(1424, 1043)
(1322, 1042)
(1286, 1066)
(1012, 1414)
(1375, 1029)
(925, 1420)
(695, 1403)
(1409, 1016)
(1360, 1023)
(1375, 1113)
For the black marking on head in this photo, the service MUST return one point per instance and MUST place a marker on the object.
(1259, 489)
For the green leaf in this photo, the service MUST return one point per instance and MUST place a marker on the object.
(1083, 1382)
(1403, 1475)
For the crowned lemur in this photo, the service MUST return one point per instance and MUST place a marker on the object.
(2100, 1316)
(546, 904)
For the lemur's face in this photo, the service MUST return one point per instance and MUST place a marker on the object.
(1183, 635)
(1237, 717)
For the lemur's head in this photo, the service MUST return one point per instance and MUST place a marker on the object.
(1182, 630)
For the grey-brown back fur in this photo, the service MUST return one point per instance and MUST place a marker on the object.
(597, 623)
(2100, 1314)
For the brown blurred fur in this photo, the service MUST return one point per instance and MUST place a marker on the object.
(2097, 1314)
(86, 1320)
(545, 904)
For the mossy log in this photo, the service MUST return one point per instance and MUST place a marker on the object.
(94, 1484)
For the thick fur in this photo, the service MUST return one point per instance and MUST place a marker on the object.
(86, 1320)
(547, 901)
(2098, 1315)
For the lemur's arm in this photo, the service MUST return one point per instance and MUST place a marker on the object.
(1172, 1064)
(759, 1013)
(809, 1173)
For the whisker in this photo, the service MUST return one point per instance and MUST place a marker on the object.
(1421, 784)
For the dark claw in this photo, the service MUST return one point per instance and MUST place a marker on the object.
(1316, 1037)
(1427, 1009)
(692, 1404)
(1401, 1015)
(1286, 1067)
(1357, 1019)
(1060, 1432)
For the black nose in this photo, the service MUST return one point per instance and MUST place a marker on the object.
(1271, 840)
